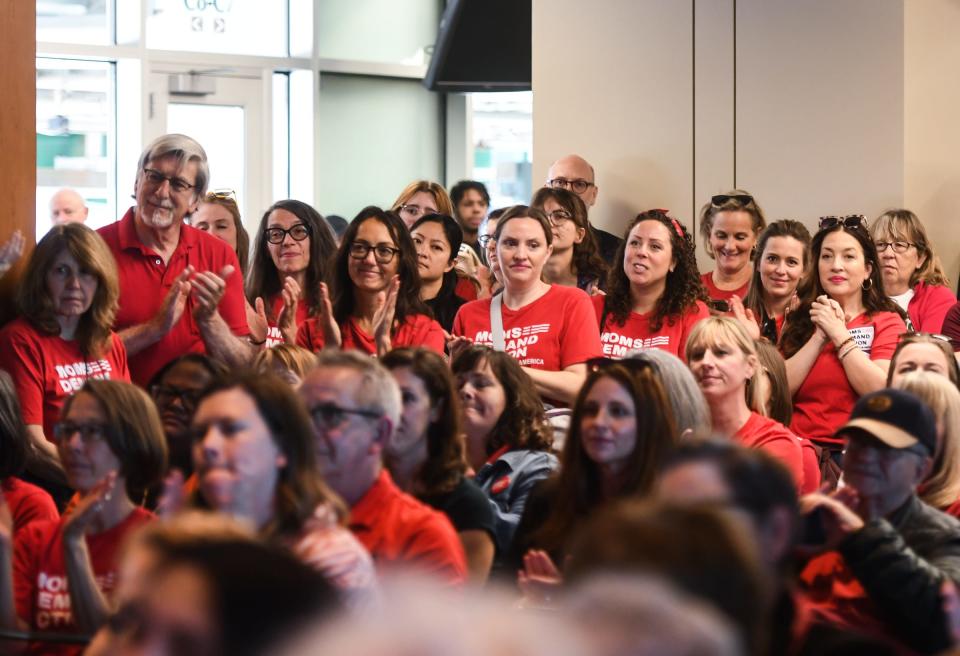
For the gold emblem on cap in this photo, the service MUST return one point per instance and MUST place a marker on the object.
(880, 403)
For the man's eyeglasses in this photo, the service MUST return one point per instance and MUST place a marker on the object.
(299, 232)
(330, 415)
(165, 395)
(559, 217)
(416, 210)
(89, 432)
(484, 240)
(851, 222)
(157, 178)
(722, 199)
(578, 186)
(898, 246)
(381, 252)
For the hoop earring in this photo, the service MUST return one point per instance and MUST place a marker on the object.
(864, 286)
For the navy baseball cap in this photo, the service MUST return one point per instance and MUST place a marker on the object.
(895, 417)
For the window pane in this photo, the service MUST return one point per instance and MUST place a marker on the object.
(75, 137)
(378, 30)
(503, 145)
(74, 21)
(223, 139)
(376, 135)
(224, 26)
(281, 135)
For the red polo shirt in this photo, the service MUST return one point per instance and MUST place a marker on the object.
(398, 530)
(145, 281)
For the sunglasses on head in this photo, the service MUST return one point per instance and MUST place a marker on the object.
(851, 221)
(916, 336)
(723, 199)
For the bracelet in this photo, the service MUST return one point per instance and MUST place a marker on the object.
(841, 356)
(844, 343)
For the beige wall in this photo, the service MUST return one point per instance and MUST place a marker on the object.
(931, 132)
(817, 107)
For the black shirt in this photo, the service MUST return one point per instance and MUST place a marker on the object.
(607, 244)
(467, 507)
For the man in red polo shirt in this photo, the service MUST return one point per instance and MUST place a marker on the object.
(180, 289)
(355, 405)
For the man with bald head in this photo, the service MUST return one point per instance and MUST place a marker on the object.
(575, 174)
(67, 206)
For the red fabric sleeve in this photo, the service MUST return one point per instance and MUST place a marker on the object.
(790, 455)
(20, 357)
(888, 326)
(580, 335)
(309, 336)
(930, 311)
(27, 546)
(427, 333)
(28, 503)
(436, 549)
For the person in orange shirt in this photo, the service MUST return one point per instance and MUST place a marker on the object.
(355, 405)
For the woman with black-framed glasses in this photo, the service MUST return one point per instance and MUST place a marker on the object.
(839, 341)
(291, 258)
(373, 301)
(912, 274)
(730, 225)
(111, 444)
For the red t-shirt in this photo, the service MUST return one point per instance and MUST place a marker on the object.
(717, 294)
(635, 333)
(274, 336)
(27, 503)
(811, 467)
(145, 281)
(46, 369)
(416, 330)
(465, 289)
(555, 331)
(825, 398)
(399, 530)
(776, 439)
(929, 306)
(40, 575)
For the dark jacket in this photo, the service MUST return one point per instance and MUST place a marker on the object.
(446, 303)
(507, 482)
(901, 562)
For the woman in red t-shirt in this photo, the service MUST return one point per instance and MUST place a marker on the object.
(373, 301)
(63, 572)
(654, 297)
(255, 459)
(839, 341)
(290, 259)
(783, 248)
(729, 225)
(723, 359)
(550, 329)
(68, 299)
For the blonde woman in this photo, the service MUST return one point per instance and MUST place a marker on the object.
(941, 488)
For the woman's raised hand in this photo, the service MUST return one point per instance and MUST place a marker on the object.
(287, 320)
(383, 319)
(331, 331)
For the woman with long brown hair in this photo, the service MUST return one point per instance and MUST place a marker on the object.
(838, 343)
(621, 429)
(426, 454)
(575, 260)
(508, 438)
(373, 300)
(68, 299)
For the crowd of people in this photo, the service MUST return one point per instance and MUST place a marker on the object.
(303, 441)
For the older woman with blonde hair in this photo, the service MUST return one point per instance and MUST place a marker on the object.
(941, 488)
(419, 198)
(912, 273)
(68, 300)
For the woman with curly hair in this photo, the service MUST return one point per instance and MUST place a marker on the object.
(68, 300)
(508, 437)
(654, 297)
(778, 273)
(373, 303)
(729, 225)
(426, 458)
(575, 260)
(620, 433)
(839, 342)
(291, 258)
